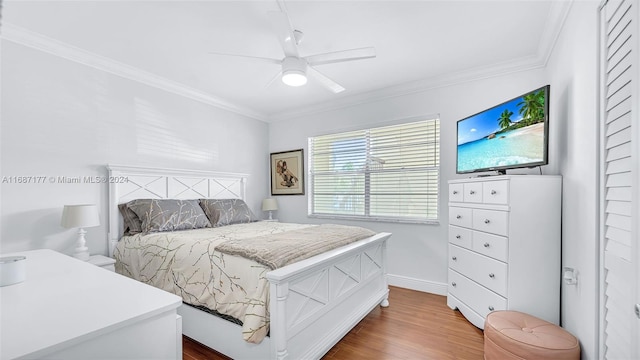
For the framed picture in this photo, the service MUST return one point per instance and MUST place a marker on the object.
(287, 173)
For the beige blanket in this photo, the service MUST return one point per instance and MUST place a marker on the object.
(281, 249)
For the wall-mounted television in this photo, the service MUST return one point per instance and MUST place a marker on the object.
(514, 134)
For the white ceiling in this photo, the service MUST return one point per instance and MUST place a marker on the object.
(418, 43)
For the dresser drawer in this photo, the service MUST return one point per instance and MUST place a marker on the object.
(493, 246)
(478, 298)
(488, 272)
(460, 216)
(491, 221)
(473, 192)
(495, 192)
(461, 236)
(455, 192)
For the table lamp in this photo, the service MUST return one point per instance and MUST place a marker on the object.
(80, 216)
(269, 205)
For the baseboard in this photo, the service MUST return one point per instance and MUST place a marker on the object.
(417, 284)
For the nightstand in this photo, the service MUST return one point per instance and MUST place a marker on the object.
(103, 262)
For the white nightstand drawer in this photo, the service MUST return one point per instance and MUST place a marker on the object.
(491, 221)
(477, 297)
(455, 192)
(493, 246)
(495, 192)
(460, 216)
(488, 272)
(103, 262)
(461, 236)
(473, 192)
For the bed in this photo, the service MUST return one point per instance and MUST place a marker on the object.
(312, 303)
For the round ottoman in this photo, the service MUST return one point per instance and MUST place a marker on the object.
(516, 335)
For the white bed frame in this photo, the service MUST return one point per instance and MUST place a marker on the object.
(313, 303)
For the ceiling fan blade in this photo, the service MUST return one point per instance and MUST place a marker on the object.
(341, 56)
(263, 59)
(282, 6)
(325, 81)
(278, 76)
(284, 32)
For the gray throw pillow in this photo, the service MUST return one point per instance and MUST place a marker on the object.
(223, 212)
(169, 214)
(132, 223)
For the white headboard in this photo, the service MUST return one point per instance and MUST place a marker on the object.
(129, 183)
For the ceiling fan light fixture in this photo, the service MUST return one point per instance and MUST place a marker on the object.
(294, 71)
(294, 77)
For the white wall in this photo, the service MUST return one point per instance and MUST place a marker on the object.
(573, 68)
(417, 253)
(62, 118)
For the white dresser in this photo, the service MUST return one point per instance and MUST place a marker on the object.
(504, 246)
(70, 309)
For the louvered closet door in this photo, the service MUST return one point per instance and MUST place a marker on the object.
(619, 332)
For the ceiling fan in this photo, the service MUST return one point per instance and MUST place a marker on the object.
(295, 68)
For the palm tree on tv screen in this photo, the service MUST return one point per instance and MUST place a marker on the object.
(505, 119)
(532, 107)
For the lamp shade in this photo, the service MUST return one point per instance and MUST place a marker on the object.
(80, 216)
(269, 204)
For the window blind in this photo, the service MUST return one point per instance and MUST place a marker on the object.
(387, 173)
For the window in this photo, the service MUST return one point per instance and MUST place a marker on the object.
(386, 173)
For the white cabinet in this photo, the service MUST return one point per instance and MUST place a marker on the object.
(71, 309)
(504, 246)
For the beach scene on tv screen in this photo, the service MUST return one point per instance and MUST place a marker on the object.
(510, 134)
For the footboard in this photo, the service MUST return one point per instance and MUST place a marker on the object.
(315, 302)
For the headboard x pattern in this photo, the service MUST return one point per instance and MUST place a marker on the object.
(128, 183)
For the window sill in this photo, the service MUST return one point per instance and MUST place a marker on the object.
(374, 219)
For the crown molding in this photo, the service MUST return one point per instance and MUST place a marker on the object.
(558, 13)
(553, 26)
(61, 49)
(412, 88)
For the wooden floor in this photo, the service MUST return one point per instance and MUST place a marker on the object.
(416, 325)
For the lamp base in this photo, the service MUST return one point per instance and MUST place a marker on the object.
(81, 251)
(81, 254)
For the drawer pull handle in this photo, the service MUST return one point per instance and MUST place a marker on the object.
(486, 221)
(490, 308)
(454, 258)
(458, 216)
(493, 192)
(472, 192)
(455, 192)
(487, 245)
(492, 275)
(458, 236)
(453, 284)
